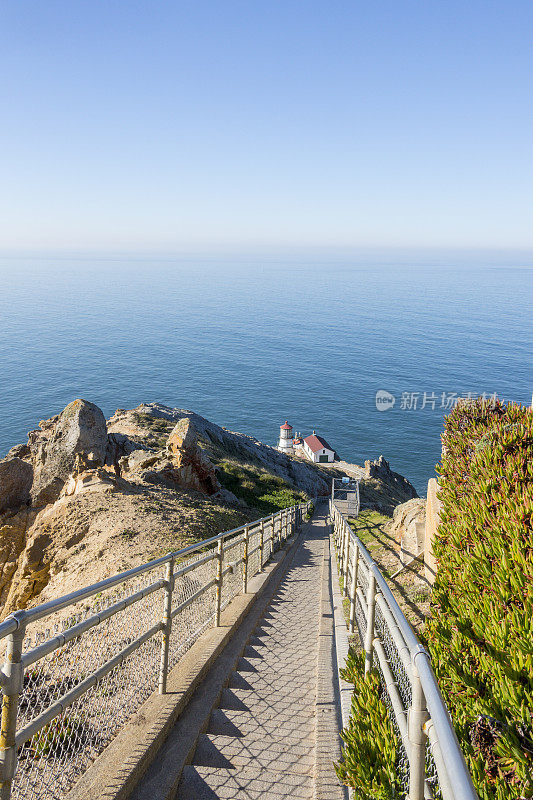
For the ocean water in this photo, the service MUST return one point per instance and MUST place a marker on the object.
(250, 344)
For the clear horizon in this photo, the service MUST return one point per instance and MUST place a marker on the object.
(183, 128)
(357, 258)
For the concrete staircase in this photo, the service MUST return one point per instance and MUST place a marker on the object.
(256, 724)
(261, 739)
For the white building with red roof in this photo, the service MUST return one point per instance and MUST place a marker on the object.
(317, 449)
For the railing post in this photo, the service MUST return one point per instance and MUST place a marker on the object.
(245, 560)
(219, 578)
(261, 542)
(416, 719)
(346, 560)
(370, 618)
(353, 590)
(167, 625)
(13, 673)
(341, 548)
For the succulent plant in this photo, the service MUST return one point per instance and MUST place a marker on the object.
(480, 632)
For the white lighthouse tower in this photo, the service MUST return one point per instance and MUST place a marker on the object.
(286, 439)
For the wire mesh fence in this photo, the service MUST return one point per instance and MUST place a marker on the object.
(429, 761)
(77, 668)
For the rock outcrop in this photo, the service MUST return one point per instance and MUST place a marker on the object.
(13, 531)
(79, 431)
(191, 465)
(382, 489)
(380, 469)
(84, 499)
(120, 446)
(407, 528)
(16, 477)
(159, 420)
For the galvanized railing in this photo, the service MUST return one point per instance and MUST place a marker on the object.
(430, 762)
(78, 667)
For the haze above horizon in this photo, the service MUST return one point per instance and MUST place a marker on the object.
(182, 126)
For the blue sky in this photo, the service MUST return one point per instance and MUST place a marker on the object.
(169, 126)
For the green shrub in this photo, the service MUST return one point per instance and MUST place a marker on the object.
(257, 487)
(480, 633)
(369, 761)
(63, 737)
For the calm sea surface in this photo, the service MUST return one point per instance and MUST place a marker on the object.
(250, 345)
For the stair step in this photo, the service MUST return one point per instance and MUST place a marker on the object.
(238, 723)
(257, 700)
(264, 707)
(248, 783)
(257, 641)
(234, 752)
(283, 684)
(244, 665)
(252, 653)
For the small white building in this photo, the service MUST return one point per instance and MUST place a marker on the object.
(298, 444)
(317, 449)
(286, 438)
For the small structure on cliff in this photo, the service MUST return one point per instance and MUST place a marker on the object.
(317, 449)
(313, 447)
(286, 438)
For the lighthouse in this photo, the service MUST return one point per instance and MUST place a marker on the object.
(286, 439)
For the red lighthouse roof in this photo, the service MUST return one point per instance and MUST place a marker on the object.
(286, 427)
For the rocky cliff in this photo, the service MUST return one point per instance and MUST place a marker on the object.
(85, 498)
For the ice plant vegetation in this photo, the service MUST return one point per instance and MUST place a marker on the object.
(480, 632)
(368, 763)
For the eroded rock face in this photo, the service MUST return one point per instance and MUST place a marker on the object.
(19, 451)
(16, 477)
(80, 430)
(32, 567)
(302, 475)
(380, 469)
(139, 460)
(90, 480)
(120, 446)
(408, 526)
(13, 528)
(190, 464)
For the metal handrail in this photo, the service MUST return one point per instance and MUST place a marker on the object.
(26, 616)
(427, 715)
(56, 694)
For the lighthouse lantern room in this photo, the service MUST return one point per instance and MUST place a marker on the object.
(286, 439)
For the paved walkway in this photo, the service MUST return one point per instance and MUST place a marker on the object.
(275, 732)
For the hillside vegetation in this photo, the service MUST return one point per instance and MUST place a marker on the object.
(85, 498)
(480, 625)
(480, 633)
